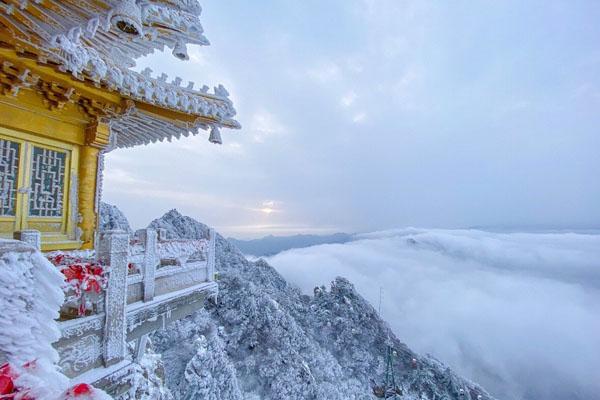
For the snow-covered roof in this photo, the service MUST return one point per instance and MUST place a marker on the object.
(98, 41)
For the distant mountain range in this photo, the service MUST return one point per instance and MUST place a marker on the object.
(271, 245)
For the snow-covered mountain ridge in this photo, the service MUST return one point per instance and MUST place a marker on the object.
(264, 339)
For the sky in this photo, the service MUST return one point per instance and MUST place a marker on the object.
(362, 115)
(516, 313)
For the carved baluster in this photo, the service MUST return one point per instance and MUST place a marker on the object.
(140, 350)
(149, 238)
(30, 236)
(113, 249)
(212, 236)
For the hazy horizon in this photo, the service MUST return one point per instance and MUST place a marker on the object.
(259, 234)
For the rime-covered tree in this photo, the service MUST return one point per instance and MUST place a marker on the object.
(210, 375)
(285, 345)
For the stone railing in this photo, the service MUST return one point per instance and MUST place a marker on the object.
(158, 265)
(137, 301)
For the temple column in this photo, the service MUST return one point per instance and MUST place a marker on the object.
(96, 138)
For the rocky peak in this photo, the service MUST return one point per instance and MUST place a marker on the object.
(179, 226)
(111, 218)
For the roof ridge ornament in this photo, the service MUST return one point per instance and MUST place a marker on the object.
(127, 17)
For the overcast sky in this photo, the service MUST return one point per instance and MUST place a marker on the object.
(370, 114)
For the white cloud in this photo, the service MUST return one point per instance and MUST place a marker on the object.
(516, 312)
(268, 207)
(359, 117)
(265, 124)
(325, 73)
(197, 56)
(348, 99)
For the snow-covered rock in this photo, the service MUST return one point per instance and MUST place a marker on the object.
(180, 227)
(286, 345)
(111, 218)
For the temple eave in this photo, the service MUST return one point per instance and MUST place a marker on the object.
(99, 101)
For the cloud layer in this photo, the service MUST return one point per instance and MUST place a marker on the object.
(516, 312)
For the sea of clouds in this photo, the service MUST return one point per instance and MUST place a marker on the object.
(517, 312)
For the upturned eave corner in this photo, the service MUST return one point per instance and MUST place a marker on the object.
(90, 63)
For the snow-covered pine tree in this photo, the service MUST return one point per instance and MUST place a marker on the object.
(210, 375)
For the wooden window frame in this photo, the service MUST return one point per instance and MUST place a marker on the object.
(65, 237)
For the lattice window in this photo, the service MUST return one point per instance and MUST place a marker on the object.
(47, 183)
(9, 174)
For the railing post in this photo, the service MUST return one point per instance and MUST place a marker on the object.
(113, 249)
(138, 234)
(212, 240)
(30, 236)
(140, 350)
(148, 238)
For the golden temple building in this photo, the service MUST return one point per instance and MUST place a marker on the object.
(69, 94)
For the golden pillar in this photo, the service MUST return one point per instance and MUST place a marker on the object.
(97, 137)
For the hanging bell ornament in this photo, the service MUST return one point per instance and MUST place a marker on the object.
(180, 51)
(215, 136)
(127, 17)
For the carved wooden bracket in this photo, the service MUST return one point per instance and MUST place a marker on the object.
(12, 79)
(94, 108)
(98, 110)
(98, 134)
(56, 96)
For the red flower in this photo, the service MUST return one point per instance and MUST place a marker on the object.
(5, 370)
(30, 364)
(57, 259)
(73, 272)
(80, 390)
(92, 285)
(83, 276)
(7, 385)
(96, 269)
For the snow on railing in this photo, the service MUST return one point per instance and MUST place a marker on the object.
(123, 291)
(158, 265)
(152, 260)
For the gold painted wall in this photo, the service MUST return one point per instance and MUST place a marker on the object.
(28, 120)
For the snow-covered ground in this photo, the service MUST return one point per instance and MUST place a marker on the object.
(516, 312)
